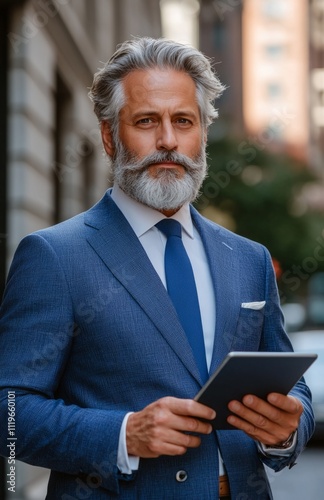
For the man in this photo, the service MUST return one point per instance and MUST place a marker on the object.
(91, 343)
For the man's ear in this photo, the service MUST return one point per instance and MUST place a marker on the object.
(107, 138)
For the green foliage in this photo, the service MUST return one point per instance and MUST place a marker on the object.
(259, 192)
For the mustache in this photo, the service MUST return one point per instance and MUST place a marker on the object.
(137, 165)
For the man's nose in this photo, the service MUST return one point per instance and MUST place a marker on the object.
(166, 136)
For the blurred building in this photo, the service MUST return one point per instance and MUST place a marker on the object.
(317, 85)
(275, 72)
(261, 50)
(220, 37)
(180, 20)
(51, 49)
(52, 164)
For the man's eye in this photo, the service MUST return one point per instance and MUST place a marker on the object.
(144, 121)
(184, 121)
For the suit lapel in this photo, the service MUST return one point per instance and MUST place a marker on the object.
(224, 267)
(113, 239)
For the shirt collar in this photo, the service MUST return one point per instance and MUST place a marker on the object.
(143, 218)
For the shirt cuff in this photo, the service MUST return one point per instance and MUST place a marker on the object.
(279, 452)
(126, 464)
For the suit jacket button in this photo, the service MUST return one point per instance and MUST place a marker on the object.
(94, 479)
(181, 476)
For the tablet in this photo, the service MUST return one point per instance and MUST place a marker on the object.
(257, 373)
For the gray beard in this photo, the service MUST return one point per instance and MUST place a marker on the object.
(167, 191)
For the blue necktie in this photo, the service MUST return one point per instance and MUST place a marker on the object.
(182, 290)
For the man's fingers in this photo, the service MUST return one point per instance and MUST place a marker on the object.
(170, 443)
(187, 414)
(278, 408)
(165, 427)
(181, 414)
(271, 421)
(189, 407)
(290, 404)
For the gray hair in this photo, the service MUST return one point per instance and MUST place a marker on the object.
(107, 92)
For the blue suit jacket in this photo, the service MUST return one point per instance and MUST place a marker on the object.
(88, 333)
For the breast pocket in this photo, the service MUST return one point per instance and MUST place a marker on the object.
(248, 330)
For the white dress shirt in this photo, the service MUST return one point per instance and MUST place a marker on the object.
(142, 219)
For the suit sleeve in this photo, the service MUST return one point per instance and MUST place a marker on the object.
(36, 334)
(274, 339)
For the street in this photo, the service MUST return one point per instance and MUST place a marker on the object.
(305, 481)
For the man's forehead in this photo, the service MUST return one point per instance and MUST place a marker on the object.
(141, 86)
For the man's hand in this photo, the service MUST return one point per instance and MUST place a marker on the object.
(271, 422)
(162, 427)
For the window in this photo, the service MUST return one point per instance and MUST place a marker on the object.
(274, 51)
(219, 36)
(275, 9)
(61, 169)
(274, 90)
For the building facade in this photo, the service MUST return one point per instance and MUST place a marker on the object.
(261, 52)
(275, 73)
(220, 38)
(316, 29)
(52, 164)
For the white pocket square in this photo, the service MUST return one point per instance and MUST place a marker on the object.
(253, 305)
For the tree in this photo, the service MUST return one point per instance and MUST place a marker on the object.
(259, 194)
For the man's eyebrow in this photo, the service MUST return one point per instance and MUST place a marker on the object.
(180, 112)
(145, 113)
(185, 112)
